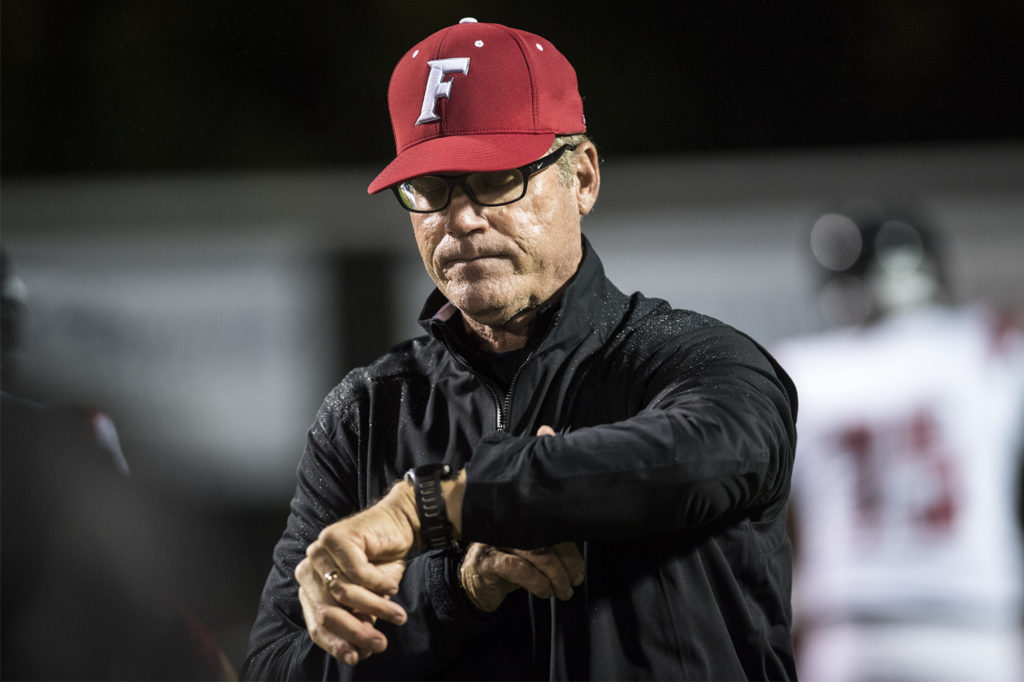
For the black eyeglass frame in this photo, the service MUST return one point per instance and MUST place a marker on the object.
(454, 181)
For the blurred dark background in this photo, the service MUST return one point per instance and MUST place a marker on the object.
(146, 86)
(183, 200)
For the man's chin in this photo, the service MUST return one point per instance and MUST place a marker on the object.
(488, 310)
(491, 317)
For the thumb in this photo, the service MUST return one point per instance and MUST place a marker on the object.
(545, 431)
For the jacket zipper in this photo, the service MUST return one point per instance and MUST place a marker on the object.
(502, 408)
(498, 411)
(507, 405)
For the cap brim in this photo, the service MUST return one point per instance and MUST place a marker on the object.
(463, 154)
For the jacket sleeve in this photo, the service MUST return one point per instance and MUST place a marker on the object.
(439, 614)
(708, 436)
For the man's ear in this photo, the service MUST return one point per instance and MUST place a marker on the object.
(588, 177)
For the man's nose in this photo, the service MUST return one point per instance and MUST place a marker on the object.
(464, 215)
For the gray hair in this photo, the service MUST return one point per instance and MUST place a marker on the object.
(565, 163)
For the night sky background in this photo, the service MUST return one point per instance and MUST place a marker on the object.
(127, 87)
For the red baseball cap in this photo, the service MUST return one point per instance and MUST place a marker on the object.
(478, 97)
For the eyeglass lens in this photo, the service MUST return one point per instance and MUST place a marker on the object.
(432, 192)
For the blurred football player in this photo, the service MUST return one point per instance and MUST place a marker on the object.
(908, 456)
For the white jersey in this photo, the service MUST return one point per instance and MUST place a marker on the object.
(909, 440)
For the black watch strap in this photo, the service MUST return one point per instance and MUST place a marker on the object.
(435, 528)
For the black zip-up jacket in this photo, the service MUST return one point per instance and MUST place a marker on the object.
(671, 470)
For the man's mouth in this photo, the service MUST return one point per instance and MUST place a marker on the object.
(456, 259)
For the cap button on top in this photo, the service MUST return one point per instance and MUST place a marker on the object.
(467, 20)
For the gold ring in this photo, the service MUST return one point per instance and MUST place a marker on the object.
(330, 577)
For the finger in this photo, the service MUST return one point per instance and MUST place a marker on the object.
(545, 431)
(358, 598)
(347, 551)
(520, 571)
(342, 591)
(359, 544)
(571, 558)
(330, 642)
(550, 565)
(366, 653)
(344, 635)
(485, 588)
(393, 569)
(350, 561)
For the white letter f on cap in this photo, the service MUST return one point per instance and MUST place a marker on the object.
(436, 88)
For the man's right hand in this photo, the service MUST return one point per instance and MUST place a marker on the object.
(366, 554)
(489, 574)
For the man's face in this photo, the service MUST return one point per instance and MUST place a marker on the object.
(494, 262)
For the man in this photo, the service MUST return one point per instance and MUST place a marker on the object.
(909, 551)
(619, 470)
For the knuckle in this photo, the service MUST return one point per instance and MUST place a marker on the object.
(336, 647)
(343, 649)
(519, 572)
(340, 591)
(320, 619)
(316, 632)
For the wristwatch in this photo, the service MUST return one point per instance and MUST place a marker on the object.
(435, 528)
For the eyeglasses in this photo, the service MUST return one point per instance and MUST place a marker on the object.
(430, 193)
